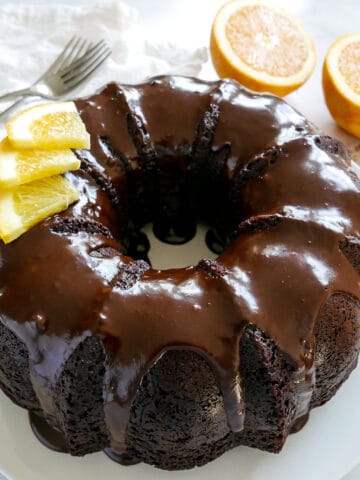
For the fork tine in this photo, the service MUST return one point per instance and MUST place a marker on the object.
(74, 81)
(87, 57)
(71, 54)
(86, 65)
(62, 54)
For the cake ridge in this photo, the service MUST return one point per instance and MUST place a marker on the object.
(75, 225)
(111, 151)
(102, 180)
(136, 124)
(350, 247)
(253, 169)
(129, 274)
(139, 134)
(205, 130)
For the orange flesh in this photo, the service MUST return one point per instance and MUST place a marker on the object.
(349, 66)
(265, 40)
(53, 124)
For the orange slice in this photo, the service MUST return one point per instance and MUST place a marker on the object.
(51, 125)
(26, 205)
(261, 46)
(23, 166)
(341, 82)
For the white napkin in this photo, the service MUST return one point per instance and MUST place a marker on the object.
(31, 36)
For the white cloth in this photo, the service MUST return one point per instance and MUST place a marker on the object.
(31, 36)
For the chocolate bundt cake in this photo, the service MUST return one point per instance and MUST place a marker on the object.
(174, 367)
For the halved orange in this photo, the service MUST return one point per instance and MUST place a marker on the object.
(261, 46)
(341, 82)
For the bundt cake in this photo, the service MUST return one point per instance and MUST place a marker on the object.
(174, 367)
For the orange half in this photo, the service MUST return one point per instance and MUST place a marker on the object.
(261, 46)
(341, 82)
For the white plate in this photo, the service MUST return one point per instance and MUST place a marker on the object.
(329, 445)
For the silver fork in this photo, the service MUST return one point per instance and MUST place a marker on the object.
(75, 63)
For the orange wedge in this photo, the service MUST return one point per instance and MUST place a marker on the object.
(261, 46)
(341, 82)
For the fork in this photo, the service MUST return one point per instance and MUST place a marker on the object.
(75, 63)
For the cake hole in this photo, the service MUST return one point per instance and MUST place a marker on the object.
(214, 243)
(164, 255)
(175, 233)
(139, 246)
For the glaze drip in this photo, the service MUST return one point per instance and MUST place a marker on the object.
(47, 435)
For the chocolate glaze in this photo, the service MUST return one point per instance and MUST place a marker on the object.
(51, 437)
(283, 215)
(124, 459)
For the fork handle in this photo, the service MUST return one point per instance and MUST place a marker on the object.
(23, 92)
